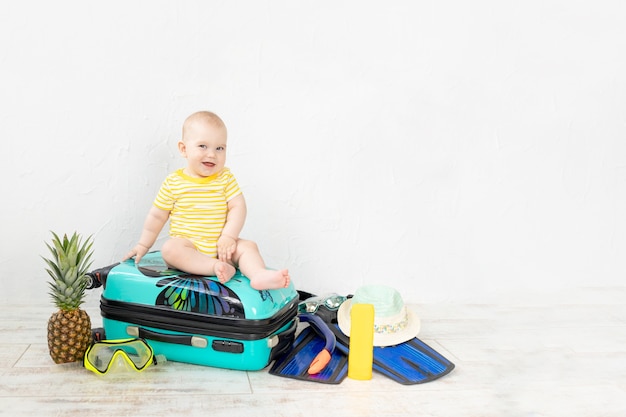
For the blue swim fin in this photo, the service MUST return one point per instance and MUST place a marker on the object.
(408, 363)
(295, 363)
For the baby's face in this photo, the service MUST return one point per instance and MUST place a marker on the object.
(204, 146)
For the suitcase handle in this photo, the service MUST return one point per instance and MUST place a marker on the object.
(194, 341)
(98, 277)
(227, 346)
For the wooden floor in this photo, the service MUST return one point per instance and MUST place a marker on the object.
(531, 354)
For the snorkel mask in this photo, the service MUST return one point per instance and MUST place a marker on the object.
(127, 354)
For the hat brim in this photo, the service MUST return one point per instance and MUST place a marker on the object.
(381, 339)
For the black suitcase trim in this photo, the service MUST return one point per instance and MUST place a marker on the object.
(194, 323)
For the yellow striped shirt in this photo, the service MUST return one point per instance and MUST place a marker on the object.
(198, 206)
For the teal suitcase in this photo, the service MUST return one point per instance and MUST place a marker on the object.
(195, 319)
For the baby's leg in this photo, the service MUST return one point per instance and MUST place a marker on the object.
(182, 254)
(249, 260)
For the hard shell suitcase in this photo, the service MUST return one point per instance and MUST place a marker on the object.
(195, 319)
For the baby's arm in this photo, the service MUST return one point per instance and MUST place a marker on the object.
(235, 219)
(153, 225)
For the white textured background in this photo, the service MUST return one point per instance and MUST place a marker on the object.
(451, 149)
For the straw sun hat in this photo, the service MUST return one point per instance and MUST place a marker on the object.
(394, 323)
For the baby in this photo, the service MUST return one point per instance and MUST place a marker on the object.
(207, 211)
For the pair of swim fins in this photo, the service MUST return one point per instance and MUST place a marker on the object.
(408, 363)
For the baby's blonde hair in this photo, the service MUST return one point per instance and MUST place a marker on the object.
(203, 116)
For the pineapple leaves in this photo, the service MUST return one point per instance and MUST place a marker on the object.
(67, 267)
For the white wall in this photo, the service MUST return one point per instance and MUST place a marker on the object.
(448, 148)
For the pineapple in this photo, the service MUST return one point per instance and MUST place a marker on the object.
(69, 329)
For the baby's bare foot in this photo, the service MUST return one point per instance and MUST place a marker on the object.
(286, 277)
(270, 280)
(224, 271)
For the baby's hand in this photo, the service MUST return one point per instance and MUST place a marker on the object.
(226, 246)
(138, 252)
